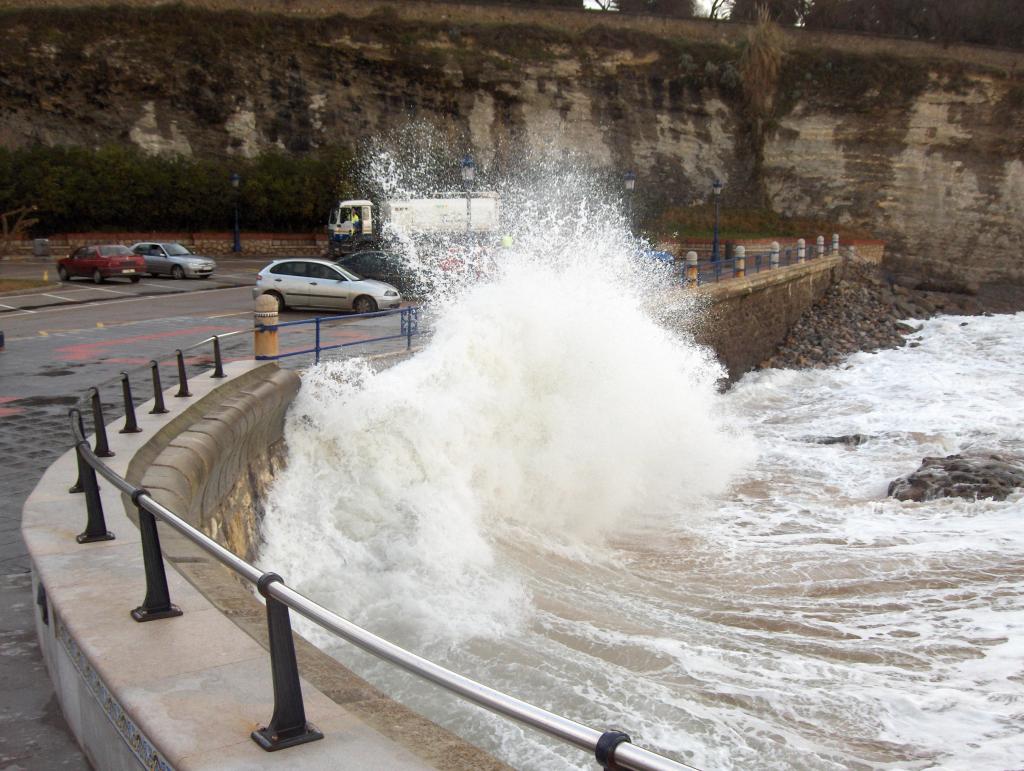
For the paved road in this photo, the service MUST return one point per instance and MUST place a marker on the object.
(57, 346)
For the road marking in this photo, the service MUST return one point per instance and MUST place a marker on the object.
(112, 291)
(104, 303)
(55, 297)
(43, 333)
(225, 315)
(95, 350)
(161, 286)
(12, 307)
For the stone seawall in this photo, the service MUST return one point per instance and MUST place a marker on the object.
(745, 319)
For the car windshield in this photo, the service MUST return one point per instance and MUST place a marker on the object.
(350, 274)
(115, 251)
(176, 250)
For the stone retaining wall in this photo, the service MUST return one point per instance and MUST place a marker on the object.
(745, 319)
(211, 244)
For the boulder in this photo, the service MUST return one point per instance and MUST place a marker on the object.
(960, 476)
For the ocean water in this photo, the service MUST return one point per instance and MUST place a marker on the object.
(556, 499)
(564, 507)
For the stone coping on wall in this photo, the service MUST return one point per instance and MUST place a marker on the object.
(765, 279)
(181, 692)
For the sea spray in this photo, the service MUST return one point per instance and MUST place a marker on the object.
(544, 402)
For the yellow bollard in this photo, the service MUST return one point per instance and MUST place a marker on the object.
(46, 276)
(264, 344)
(691, 269)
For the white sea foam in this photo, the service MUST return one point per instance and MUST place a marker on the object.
(554, 499)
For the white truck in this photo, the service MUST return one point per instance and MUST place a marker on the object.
(352, 225)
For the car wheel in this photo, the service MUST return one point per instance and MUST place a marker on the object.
(97, 277)
(281, 307)
(62, 274)
(177, 272)
(134, 279)
(364, 304)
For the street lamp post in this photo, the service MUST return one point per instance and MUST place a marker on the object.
(468, 175)
(716, 187)
(629, 182)
(235, 181)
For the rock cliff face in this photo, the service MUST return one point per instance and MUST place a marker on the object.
(927, 153)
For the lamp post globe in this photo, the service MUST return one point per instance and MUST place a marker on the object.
(716, 189)
(236, 180)
(629, 183)
(468, 175)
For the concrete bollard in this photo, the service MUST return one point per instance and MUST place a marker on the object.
(773, 260)
(740, 266)
(264, 344)
(691, 269)
(821, 246)
(801, 250)
(835, 243)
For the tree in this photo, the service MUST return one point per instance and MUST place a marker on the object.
(988, 22)
(782, 12)
(720, 9)
(683, 9)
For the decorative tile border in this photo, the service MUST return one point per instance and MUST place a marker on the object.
(149, 757)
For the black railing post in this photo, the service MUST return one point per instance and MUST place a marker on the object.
(288, 725)
(102, 449)
(158, 599)
(131, 425)
(77, 486)
(158, 391)
(218, 364)
(96, 524)
(182, 377)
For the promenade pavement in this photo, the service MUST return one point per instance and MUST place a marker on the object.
(39, 382)
(41, 377)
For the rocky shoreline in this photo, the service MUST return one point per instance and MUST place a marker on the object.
(867, 310)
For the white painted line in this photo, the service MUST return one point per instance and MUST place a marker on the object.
(55, 297)
(104, 303)
(12, 307)
(225, 315)
(112, 291)
(160, 286)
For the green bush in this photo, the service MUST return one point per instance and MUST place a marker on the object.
(119, 187)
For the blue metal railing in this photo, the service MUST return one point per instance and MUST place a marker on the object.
(712, 271)
(409, 326)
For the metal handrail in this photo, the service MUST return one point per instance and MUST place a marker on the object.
(409, 326)
(612, 749)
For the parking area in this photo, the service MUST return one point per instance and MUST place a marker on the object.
(232, 271)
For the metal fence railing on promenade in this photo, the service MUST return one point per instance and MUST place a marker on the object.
(704, 265)
(288, 725)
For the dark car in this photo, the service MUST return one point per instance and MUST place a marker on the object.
(380, 266)
(100, 262)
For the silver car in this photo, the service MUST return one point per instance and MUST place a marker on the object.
(310, 283)
(173, 259)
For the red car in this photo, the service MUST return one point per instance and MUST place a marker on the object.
(100, 262)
